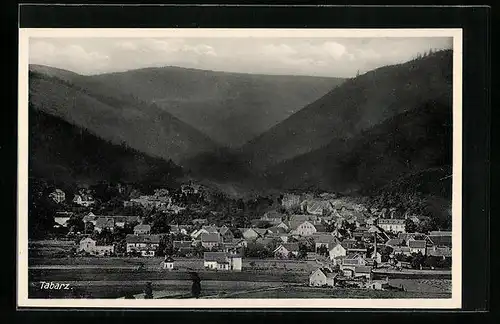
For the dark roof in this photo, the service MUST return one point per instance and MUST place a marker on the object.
(182, 244)
(291, 247)
(142, 227)
(417, 244)
(277, 230)
(362, 269)
(169, 259)
(440, 240)
(325, 238)
(103, 222)
(320, 228)
(210, 237)
(210, 229)
(220, 257)
(391, 221)
(394, 242)
(131, 238)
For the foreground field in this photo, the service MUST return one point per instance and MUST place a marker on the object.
(310, 292)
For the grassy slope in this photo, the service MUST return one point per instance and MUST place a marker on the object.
(113, 115)
(357, 104)
(231, 108)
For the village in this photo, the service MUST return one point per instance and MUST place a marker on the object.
(353, 246)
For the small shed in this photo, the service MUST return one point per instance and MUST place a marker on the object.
(168, 263)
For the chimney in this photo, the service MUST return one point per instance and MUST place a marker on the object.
(375, 249)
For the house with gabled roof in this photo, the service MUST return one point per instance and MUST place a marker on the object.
(222, 261)
(305, 228)
(336, 252)
(226, 234)
(57, 196)
(142, 229)
(286, 250)
(441, 238)
(146, 245)
(250, 234)
(104, 223)
(210, 240)
(322, 277)
(326, 240)
(392, 225)
(417, 246)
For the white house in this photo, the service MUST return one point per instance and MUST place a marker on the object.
(322, 277)
(83, 200)
(222, 261)
(58, 196)
(417, 246)
(168, 263)
(61, 218)
(90, 246)
(146, 245)
(392, 225)
(142, 229)
(250, 234)
(337, 251)
(305, 229)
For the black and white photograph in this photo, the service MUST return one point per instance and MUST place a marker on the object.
(239, 167)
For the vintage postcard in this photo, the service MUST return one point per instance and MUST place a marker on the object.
(240, 168)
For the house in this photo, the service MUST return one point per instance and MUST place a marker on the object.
(322, 277)
(392, 225)
(239, 242)
(168, 263)
(210, 240)
(90, 217)
(326, 240)
(405, 250)
(146, 245)
(378, 284)
(90, 246)
(250, 234)
(84, 200)
(179, 229)
(104, 223)
(441, 238)
(61, 218)
(336, 252)
(222, 261)
(363, 271)
(226, 234)
(121, 221)
(439, 251)
(304, 229)
(199, 221)
(298, 219)
(417, 246)
(142, 229)
(87, 244)
(276, 230)
(284, 226)
(286, 250)
(354, 259)
(210, 229)
(290, 200)
(183, 247)
(58, 196)
(318, 207)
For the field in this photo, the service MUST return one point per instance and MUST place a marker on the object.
(310, 292)
(115, 277)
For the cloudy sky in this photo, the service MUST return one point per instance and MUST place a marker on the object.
(341, 57)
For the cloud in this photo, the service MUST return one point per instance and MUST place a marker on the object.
(340, 57)
(73, 56)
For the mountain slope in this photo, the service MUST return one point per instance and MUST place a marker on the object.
(67, 154)
(113, 115)
(355, 105)
(230, 108)
(405, 144)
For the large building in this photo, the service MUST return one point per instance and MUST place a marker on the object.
(392, 225)
(222, 261)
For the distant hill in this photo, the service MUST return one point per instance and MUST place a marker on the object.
(113, 115)
(405, 144)
(231, 108)
(356, 105)
(66, 154)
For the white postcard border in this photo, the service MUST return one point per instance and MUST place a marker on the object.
(22, 199)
